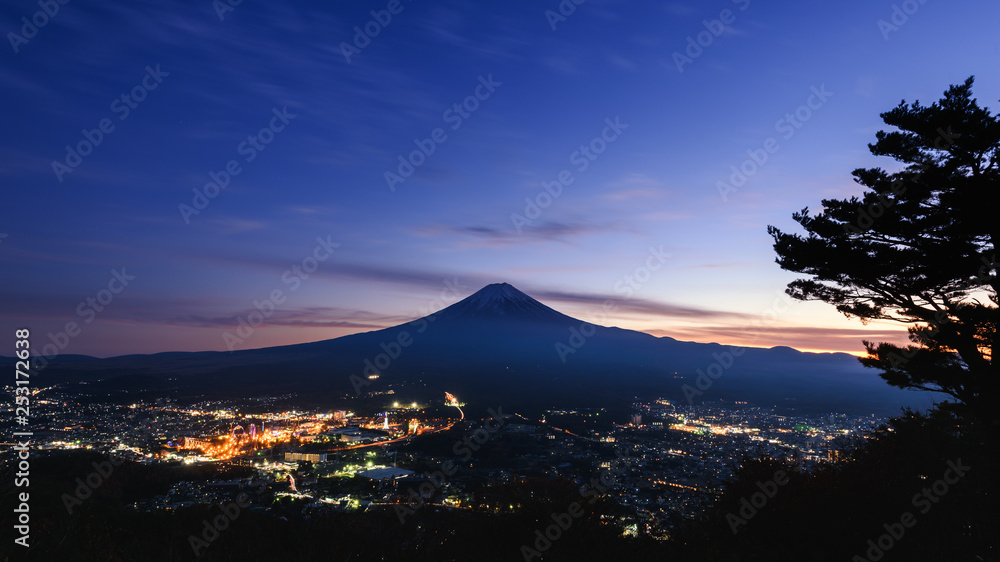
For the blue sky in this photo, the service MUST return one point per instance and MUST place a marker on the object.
(641, 138)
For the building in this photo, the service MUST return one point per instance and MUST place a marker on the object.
(384, 473)
(311, 457)
(352, 434)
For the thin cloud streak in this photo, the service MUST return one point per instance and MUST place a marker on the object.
(638, 306)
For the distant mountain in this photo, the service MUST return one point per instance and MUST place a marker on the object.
(500, 346)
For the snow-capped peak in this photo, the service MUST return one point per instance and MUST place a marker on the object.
(501, 300)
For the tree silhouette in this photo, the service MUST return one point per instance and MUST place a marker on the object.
(919, 247)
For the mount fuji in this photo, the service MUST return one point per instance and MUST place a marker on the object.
(501, 346)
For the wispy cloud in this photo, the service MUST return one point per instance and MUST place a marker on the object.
(310, 317)
(542, 231)
(636, 305)
(636, 193)
(754, 334)
(235, 225)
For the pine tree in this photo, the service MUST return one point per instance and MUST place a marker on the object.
(918, 247)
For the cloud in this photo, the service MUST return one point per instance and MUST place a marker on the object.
(190, 312)
(856, 334)
(639, 306)
(233, 225)
(635, 186)
(561, 269)
(543, 231)
(408, 277)
(753, 334)
(636, 193)
(312, 210)
(721, 265)
(562, 65)
(635, 180)
(310, 317)
(668, 215)
(622, 63)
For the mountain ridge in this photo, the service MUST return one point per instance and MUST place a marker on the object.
(500, 343)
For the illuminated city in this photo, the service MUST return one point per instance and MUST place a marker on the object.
(667, 461)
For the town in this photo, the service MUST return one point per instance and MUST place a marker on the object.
(663, 464)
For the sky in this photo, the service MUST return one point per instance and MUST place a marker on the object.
(298, 171)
